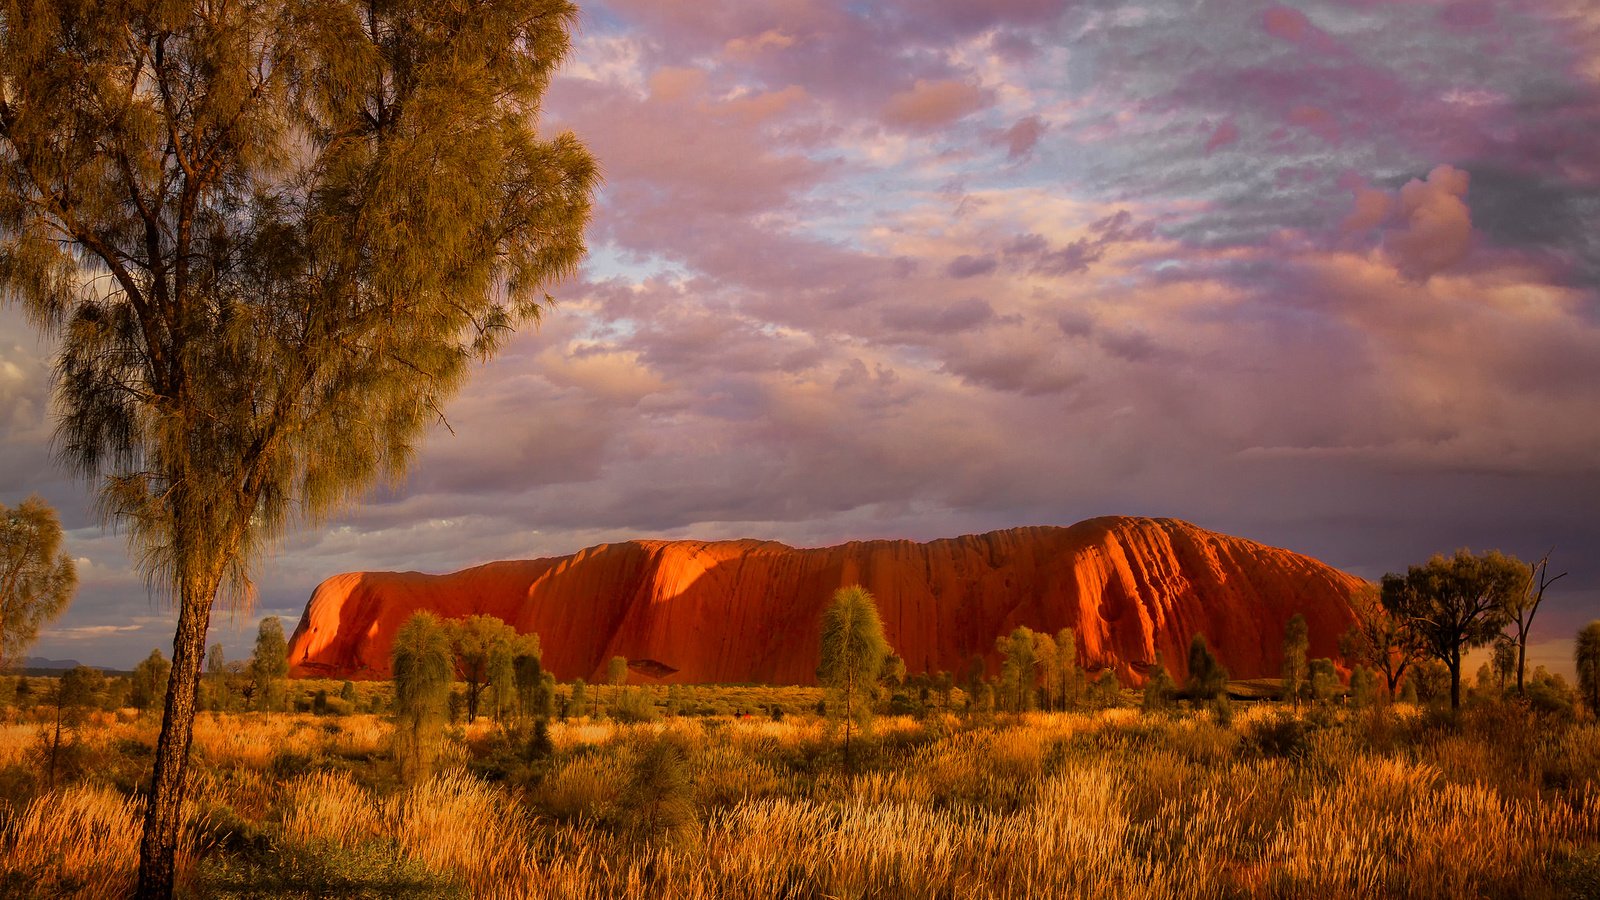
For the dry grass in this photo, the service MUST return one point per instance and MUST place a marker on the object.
(82, 841)
(1108, 804)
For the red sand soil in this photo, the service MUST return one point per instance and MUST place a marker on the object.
(750, 611)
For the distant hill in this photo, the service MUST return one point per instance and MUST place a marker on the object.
(42, 664)
(749, 611)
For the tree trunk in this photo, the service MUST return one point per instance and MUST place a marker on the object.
(164, 806)
(1455, 684)
(1522, 657)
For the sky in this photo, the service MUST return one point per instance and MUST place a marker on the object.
(1323, 275)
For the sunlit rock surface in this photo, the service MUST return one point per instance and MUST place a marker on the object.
(749, 611)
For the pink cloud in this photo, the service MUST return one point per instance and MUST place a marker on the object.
(1286, 23)
(1371, 209)
(931, 104)
(1435, 231)
(1022, 137)
(1226, 135)
(673, 83)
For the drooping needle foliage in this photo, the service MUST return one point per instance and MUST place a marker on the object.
(270, 237)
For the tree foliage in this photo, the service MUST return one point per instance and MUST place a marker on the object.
(1160, 691)
(1017, 669)
(421, 662)
(271, 236)
(1586, 653)
(1363, 687)
(853, 653)
(1322, 682)
(484, 650)
(1208, 680)
(149, 681)
(1379, 639)
(37, 578)
(534, 696)
(269, 665)
(1296, 643)
(1454, 603)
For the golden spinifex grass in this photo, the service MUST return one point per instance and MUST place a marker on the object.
(1101, 804)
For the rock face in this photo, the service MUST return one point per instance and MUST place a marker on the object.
(750, 611)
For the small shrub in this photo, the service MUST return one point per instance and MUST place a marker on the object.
(634, 705)
(1281, 735)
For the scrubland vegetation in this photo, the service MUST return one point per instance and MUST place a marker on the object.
(744, 794)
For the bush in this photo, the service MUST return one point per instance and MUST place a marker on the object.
(634, 705)
(657, 804)
(374, 869)
(1281, 735)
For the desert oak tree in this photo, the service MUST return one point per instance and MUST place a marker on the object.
(853, 653)
(1454, 603)
(423, 674)
(271, 237)
(36, 578)
(1381, 640)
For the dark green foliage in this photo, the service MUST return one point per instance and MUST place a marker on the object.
(1295, 645)
(77, 691)
(1381, 640)
(1282, 735)
(269, 665)
(1586, 653)
(1551, 696)
(518, 754)
(535, 686)
(1160, 691)
(1429, 681)
(1208, 680)
(1363, 688)
(149, 681)
(1455, 603)
(347, 693)
(37, 578)
(1324, 681)
(260, 867)
(1106, 690)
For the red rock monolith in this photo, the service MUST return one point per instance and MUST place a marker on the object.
(749, 611)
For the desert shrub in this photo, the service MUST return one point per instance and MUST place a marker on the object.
(372, 869)
(1324, 683)
(657, 803)
(901, 704)
(1575, 871)
(517, 754)
(633, 705)
(1207, 678)
(1281, 735)
(1160, 691)
(1553, 700)
(1364, 691)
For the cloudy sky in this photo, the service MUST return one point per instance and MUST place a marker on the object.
(1324, 275)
